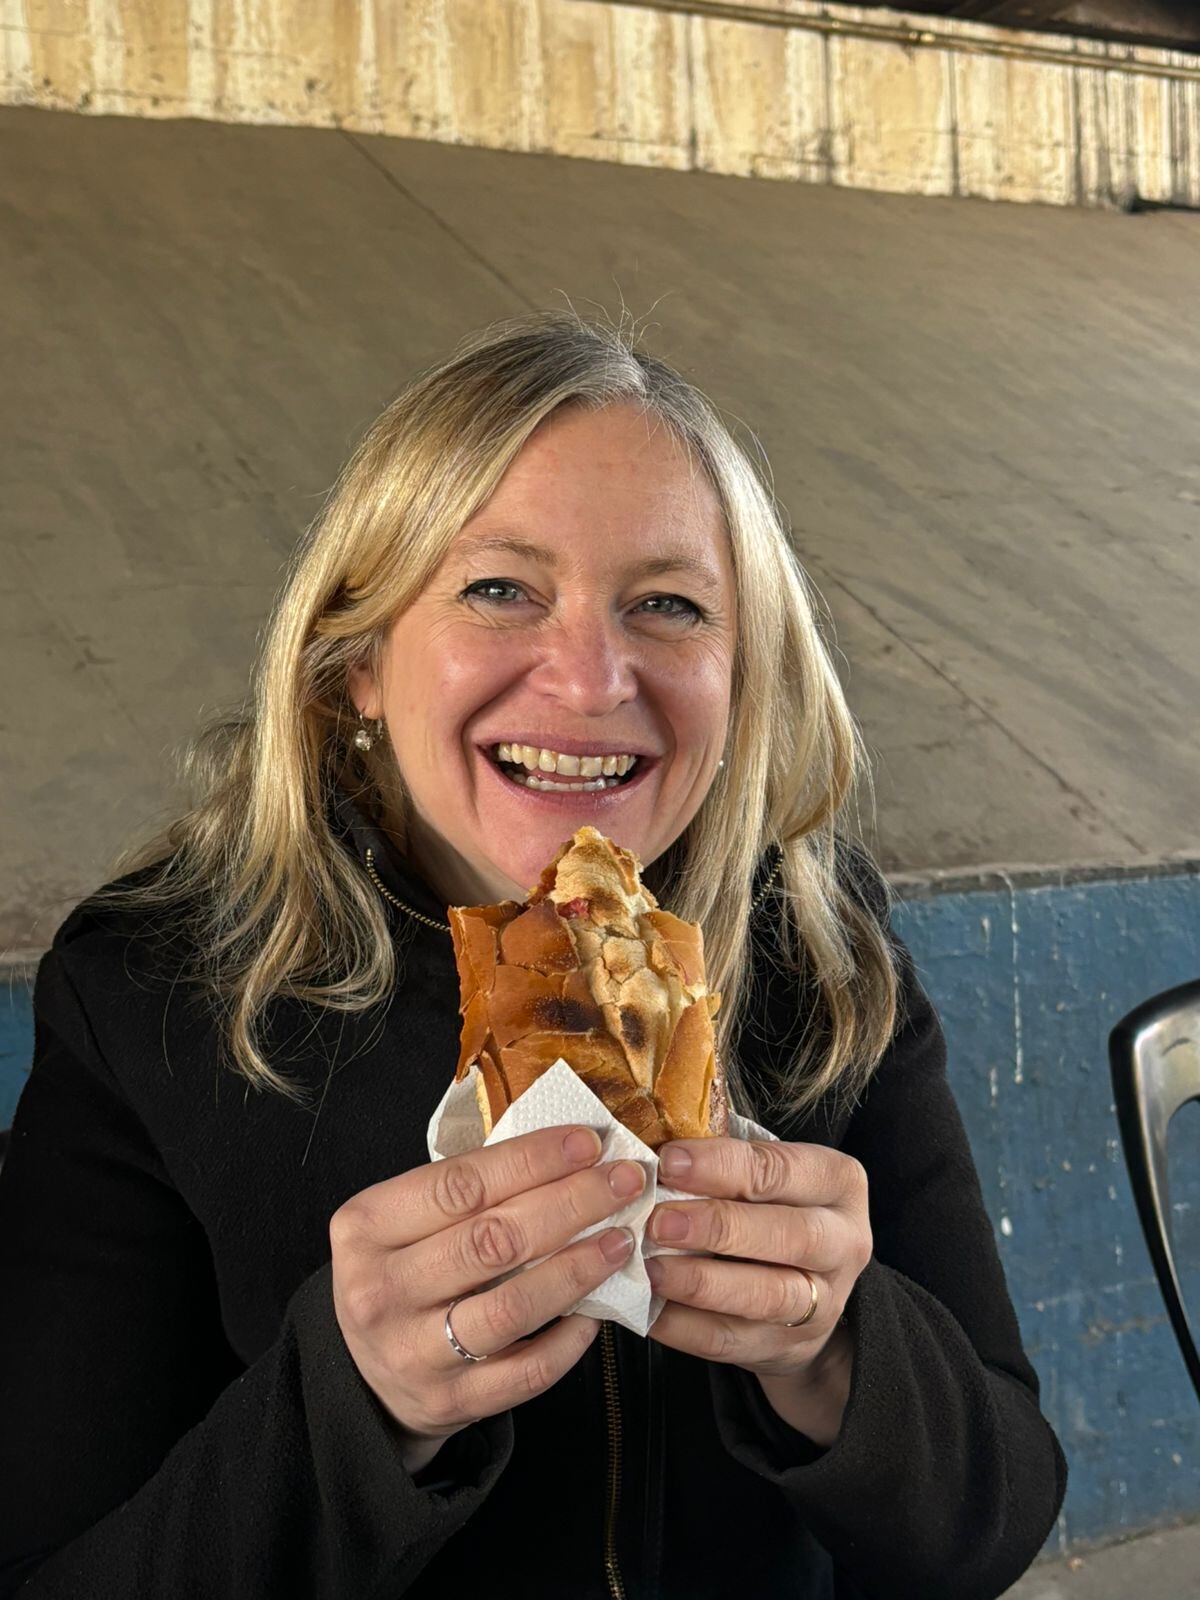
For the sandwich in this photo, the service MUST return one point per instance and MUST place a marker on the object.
(590, 969)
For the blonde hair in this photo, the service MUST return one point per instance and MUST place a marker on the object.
(273, 904)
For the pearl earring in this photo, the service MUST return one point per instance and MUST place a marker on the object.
(363, 738)
(720, 763)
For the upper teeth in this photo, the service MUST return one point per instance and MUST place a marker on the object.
(529, 756)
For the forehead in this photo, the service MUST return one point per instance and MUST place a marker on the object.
(615, 482)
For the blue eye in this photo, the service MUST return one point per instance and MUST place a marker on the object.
(692, 607)
(692, 611)
(486, 583)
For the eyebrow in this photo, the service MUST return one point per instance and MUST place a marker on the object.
(652, 566)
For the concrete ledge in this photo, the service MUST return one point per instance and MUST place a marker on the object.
(799, 90)
(1160, 1566)
(925, 884)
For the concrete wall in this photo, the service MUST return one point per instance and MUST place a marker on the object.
(981, 421)
(788, 89)
(1029, 979)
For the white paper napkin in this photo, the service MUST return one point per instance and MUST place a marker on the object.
(560, 1098)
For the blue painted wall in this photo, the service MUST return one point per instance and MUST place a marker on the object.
(16, 1041)
(1029, 980)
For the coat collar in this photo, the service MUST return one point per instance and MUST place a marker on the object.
(351, 821)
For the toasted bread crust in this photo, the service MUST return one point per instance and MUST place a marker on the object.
(591, 970)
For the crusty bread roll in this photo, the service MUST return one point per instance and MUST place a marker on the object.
(590, 969)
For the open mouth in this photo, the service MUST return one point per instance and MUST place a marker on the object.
(556, 783)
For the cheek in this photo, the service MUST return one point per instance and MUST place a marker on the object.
(699, 687)
(454, 675)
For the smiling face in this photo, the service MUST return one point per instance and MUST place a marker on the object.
(571, 649)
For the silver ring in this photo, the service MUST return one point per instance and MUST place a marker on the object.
(812, 1303)
(454, 1344)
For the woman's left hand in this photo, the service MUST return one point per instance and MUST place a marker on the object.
(775, 1208)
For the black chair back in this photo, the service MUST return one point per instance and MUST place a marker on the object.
(1154, 1054)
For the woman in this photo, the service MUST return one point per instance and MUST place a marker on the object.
(253, 1343)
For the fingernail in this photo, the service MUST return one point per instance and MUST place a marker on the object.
(616, 1244)
(675, 1161)
(626, 1178)
(583, 1144)
(671, 1224)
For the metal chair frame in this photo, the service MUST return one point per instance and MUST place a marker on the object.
(1154, 1057)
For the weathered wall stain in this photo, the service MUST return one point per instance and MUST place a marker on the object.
(1103, 1329)
(825, 97)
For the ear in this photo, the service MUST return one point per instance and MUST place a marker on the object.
(364, 693)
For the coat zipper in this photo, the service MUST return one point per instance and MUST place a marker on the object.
(612, 1400)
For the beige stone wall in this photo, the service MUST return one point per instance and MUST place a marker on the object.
(785, 89)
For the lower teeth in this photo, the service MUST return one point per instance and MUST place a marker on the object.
(571, 788)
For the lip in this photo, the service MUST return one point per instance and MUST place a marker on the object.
(570, 747)
(591, 800)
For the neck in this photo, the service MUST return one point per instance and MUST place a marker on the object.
(451, 876)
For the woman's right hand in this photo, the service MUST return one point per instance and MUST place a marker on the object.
(405, 1248)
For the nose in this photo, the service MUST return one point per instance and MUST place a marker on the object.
(588, 663)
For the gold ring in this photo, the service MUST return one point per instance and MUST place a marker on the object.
(812, 1301)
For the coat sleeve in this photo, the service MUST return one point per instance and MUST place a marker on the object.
(138, 1456)
(945, 1479)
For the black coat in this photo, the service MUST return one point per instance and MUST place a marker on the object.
(179, 1415)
